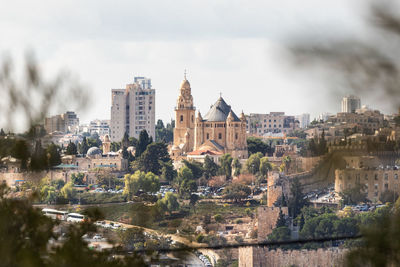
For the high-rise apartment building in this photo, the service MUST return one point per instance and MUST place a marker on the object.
(304, 120)
(133, 110)
(350, 104)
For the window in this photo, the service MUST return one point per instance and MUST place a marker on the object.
(386, 187)
(386, 176)
(396, 176)
(192, 118)
(220, 136)
(236, 136)
(208, 136)
(376, 177)
(181, 120)
(366, 176)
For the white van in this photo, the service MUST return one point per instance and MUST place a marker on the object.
(75, 217)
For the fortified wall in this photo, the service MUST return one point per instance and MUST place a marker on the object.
(263, 257)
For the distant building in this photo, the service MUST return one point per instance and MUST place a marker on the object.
(101, 127)
(274, 122)
(324, 116)
(304, 120)
(350, 104)
(368, 121)
(133, 110)
(374, 180)
(67, 122)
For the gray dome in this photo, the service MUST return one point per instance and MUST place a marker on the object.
(219, 112)
(94, 151)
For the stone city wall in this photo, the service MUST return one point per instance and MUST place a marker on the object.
(263, 257)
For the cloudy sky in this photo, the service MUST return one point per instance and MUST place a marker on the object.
(234, 47)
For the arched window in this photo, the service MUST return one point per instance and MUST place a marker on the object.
(181, 120)
(208, 136)
(192, 118)
(220, 136)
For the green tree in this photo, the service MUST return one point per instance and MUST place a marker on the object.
(297, 199)
(77, 178)
(21, 151)
(218, 218)
(226, 165)
(57, 184)
(152, 159)
(143, 142)
(83, 146)
(71, 149)
(255, 145)
(279, 234)
(115, 146)
(68, 191)
(168, 203)
(354, 195)
(195, 167)
(237, 166)
(281, 221)
(141, 181)
(265, 166)
(236, 192)
(53, 155)
(187, 187)
(48, 194)
(164, 134)
(287, 161)
(185, 182)
(168, 173)
(210, 167)
(253, 163)
(38, 158)
(193, 200)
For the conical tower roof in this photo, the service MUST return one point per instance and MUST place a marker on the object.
(220, 111)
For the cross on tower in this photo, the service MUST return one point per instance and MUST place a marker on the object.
(185, 74)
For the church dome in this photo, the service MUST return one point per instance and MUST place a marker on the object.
(106, 138)
(94, 151)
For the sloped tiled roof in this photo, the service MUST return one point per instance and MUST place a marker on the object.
(219, 112)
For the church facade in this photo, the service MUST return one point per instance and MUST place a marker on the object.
(219, 131)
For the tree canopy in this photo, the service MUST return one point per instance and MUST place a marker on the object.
(141, 181)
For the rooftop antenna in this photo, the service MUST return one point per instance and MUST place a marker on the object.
(184, 74)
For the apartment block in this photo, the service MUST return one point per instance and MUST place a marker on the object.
(133, 110)
(274, 122)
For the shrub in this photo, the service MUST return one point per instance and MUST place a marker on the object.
(200, 238)
(218, 218)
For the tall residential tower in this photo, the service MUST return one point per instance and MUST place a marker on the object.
(133, 110)
(350, 104)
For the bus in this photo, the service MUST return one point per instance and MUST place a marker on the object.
(75, 217)
(55, 214)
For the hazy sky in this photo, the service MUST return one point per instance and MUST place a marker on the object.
(233, 47)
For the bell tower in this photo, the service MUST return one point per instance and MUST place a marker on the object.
(184, 118)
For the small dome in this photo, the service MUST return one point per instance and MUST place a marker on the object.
(94, 151)
(106, 138)
(185, 84)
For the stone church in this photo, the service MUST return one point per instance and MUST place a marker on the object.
(219, 131)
